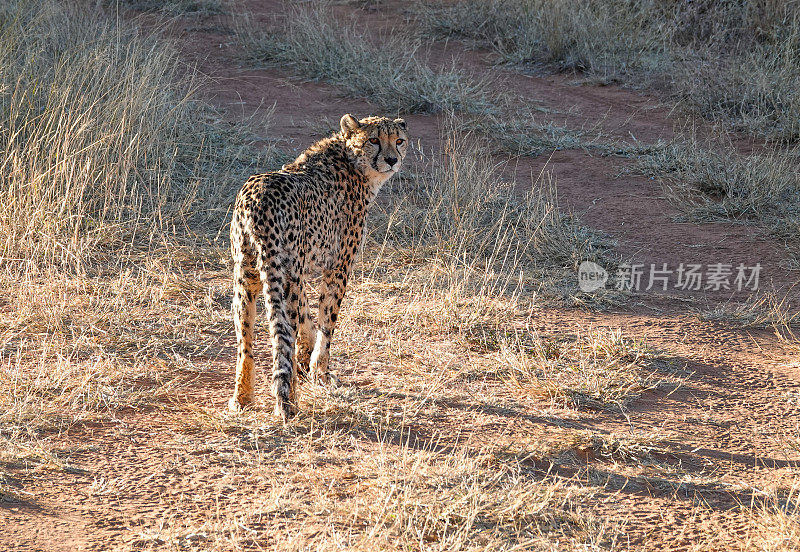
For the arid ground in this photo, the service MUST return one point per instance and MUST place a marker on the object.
(479, 409)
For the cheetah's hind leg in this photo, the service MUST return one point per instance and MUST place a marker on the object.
(246, 288)
(281, 329)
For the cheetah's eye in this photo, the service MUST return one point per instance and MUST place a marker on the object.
(400, 141)
(374, 141)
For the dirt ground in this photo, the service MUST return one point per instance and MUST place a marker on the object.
(701, 458)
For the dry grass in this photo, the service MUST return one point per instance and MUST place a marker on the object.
(479, 236)
(774, 522)
(357, 469)
(761, 310)
(729, 61)
(520, 132)
(709, 180)
(738, 62)
(771, 524)
(105, 146)
(397, 498)
(171, 7)
(600, 369)
(406, 497)
(391, 71)
(80, 349)
(587, 36)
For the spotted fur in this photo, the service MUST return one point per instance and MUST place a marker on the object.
(307, 217)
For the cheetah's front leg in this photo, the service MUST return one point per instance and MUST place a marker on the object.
(333, 287)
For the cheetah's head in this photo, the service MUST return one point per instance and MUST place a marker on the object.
(377, 145)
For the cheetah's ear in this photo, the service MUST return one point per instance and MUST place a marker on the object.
(349, 124)
(401, 123)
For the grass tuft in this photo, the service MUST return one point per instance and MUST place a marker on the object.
(709, 180)
(718, 183)
(599, 369)
(607, 40)
(761, 310)
(172, 7)
(390, 71)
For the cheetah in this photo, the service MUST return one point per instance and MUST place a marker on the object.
(288, 225)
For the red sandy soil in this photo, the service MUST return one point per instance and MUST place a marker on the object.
(726, 428)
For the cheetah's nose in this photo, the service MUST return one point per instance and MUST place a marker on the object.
(390, 161)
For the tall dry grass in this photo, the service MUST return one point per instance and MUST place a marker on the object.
(738, 62)
(460, 214)
(104, 145)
